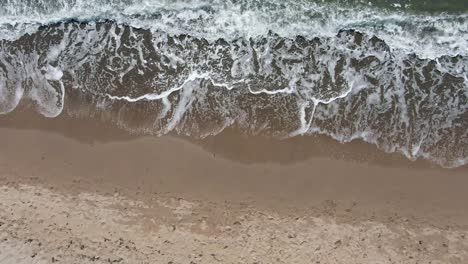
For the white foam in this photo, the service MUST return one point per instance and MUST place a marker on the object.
(318, 77)
(428, 36)
(53, 73)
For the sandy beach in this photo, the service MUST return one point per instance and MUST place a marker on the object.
(80, 192)
(233, 131)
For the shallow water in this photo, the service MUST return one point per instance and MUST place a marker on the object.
(392, 74)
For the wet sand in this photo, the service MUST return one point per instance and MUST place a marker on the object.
(76, 191)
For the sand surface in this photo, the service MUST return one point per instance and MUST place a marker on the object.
(80, 192)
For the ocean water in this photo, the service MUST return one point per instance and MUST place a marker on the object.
(393, 73)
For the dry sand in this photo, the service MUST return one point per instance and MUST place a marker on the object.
(80, 192)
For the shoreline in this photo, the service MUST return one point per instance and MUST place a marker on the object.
(252, 149)
(297, 172)
(133, 176)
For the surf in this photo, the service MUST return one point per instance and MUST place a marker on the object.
(390, 76)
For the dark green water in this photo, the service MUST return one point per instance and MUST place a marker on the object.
(423, 6)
